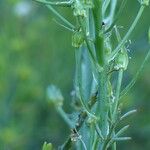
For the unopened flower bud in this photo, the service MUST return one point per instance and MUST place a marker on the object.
(54, 95)
(77, 39)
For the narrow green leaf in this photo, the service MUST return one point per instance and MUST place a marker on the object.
(105, 6)
(58, 3)
(128, 114)
(125, 38)
(133, 81)
(64, 26)
(121, 8)
(149, 35)
(60, 17)
(122, 138)
(121, 131)
(65, 117)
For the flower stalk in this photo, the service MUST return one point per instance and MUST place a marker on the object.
(97, 62)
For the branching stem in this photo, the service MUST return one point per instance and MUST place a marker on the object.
(114, 53)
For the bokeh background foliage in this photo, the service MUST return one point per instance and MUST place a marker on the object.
(36, 52)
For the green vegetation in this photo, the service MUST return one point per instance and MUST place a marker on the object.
(98, 66)
(36, 55)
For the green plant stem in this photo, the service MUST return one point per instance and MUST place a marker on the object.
(58, 3)
(78, 55)
(112, 11)
(104, 135)
(114, 53)
(102, 108)
(85, 148)
(106, 142)
(127, 114)
(65, 117)
(116, 17)
(65, 21)
(93, 135)
(114, 146)
(62, 25)
(105, 6)
(81, 119)
(99, 131)
(133, 81)
(90, 50)
(99, 37)
(120, 76)
(95, 143)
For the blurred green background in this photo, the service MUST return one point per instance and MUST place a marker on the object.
(36, 52)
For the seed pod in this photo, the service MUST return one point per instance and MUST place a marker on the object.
(122, 60)
(77, 39)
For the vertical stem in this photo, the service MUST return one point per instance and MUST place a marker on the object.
(95, 142)
(102, 108)
(79, 90)
(114, 146)
(114, 53)
(99, 41)
(112, 11)
(85, 148)
(120, 76)
(65, 117)
(114, 115)
(103, 103)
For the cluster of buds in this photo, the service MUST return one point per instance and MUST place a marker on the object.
(77, 39)
(54, 96)
(92, 120)
(79, 7)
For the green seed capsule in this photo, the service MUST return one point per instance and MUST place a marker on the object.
(77, 39)
(122, 60)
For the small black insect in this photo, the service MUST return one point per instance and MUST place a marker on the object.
(103, 23)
